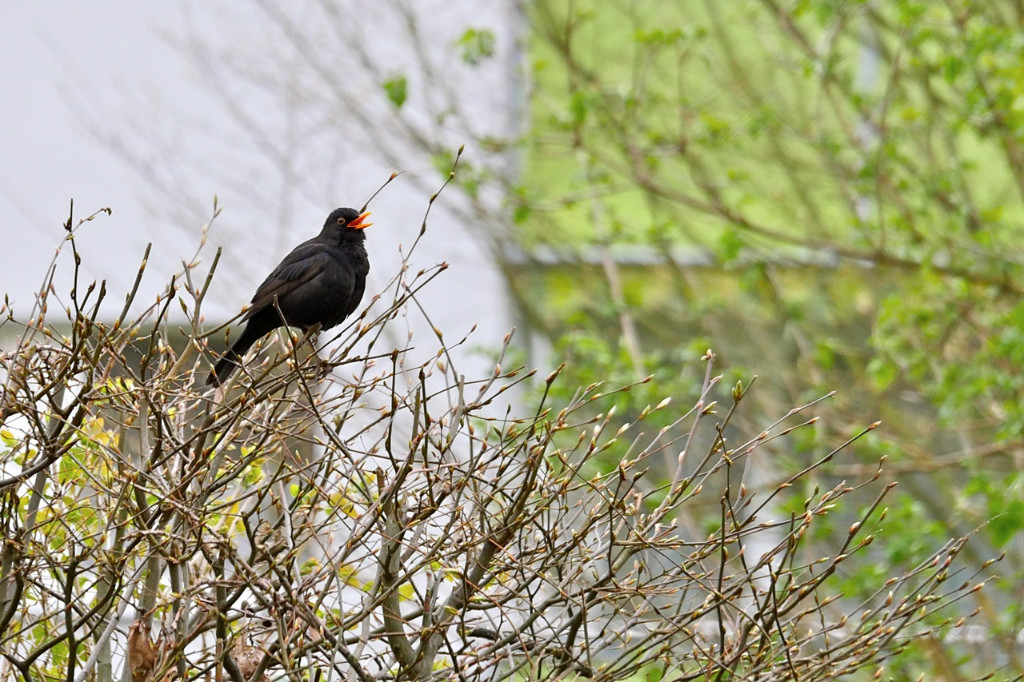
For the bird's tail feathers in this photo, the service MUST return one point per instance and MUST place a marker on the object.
(231, 360)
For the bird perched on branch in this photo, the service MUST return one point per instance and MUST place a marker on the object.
(319, 283)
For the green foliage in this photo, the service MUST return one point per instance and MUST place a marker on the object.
(477, 45)
(1003, 504)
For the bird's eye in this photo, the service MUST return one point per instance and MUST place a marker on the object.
(341, 221)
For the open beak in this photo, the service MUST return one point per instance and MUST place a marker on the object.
(358, 223)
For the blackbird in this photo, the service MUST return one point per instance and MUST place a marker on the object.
(319, 283)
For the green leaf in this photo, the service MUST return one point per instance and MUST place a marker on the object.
(578, 107)
(397, 90)
(730, 244)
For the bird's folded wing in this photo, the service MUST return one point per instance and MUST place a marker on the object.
(299, 267)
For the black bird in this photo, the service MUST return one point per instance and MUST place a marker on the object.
(319, 283)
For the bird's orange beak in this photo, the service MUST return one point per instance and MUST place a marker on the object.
(358, 223)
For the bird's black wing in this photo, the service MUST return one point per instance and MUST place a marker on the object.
(298, 267)
(358, 289)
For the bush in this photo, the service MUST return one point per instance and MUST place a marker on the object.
(377, 515)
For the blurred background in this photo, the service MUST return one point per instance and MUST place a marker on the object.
(827, 193)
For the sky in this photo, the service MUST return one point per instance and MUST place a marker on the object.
(68, 64)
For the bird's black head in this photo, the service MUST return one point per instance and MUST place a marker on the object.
(347, 218)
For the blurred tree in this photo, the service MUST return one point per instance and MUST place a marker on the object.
(859, 168)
